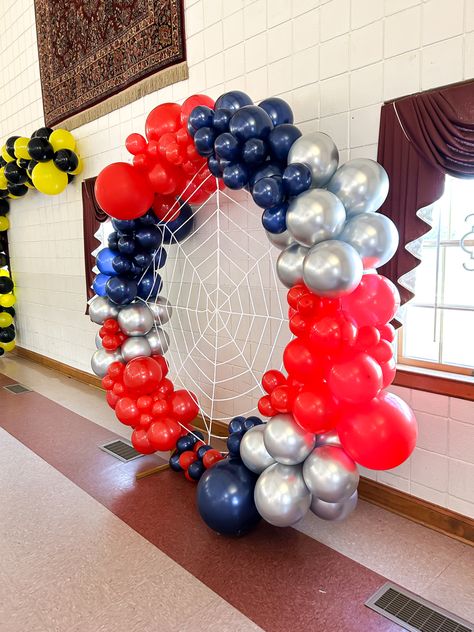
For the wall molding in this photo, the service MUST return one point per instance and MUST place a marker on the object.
(433, 384)
(421, 511)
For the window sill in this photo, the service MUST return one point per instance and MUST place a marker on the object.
(450, 384)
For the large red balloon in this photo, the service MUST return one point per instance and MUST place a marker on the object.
(315, 410)
(330, 333)
(163, 434)
(123, 192)
(356, 380)
(162, 119)
(380, 434)
(374, 301)
(127, 411)
(300, 362)
(143, 375)
(184, 406)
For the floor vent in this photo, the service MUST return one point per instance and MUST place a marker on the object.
(414, 613)
(17, 389)
(121, 450)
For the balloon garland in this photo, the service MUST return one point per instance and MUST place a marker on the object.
(331, 411)
(47, 161)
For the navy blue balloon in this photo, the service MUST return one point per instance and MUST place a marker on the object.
(227, 146)
(126, 245)
(281, 139)
(233, 101)
(267, 170)
(236, 425)
(297, 178)
(252, 421)
(148, 237)
(120, 290)
(104, 261)
(204, 141)
(225, 498)
(149, 286)
(160, 257)
(201, 116)
(124, 225)
(200, 452)
(274, 219)
(99, 284)
(190, 128)
(174, 462)
(196, 470)
(278, 110)
(112, 241)
(233, 442)
(122, 265)
(235, 176)
(148, 219)
(222, 119)
(197, 436)
(250, 122)
(142, 259)
(254, 151)
(185, 443)
(179, 228)
(268, 192)
(214, 166)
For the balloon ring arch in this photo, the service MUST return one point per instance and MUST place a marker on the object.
(331, 411)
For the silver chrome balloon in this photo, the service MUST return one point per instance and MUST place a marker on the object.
(253, 451)
(374, 236)
(161, 310)
(101, 308)
(289, 264)
(281, 496)
(361, 184)
(135, 319)
(101, 359)
(330, 474)
(332, 268)
(318, 151)
(280, 240)
(328, 438)
(314, 216)
(286, 441)
(135, 347)
(158, 340)
(98, 341)
(336, 512)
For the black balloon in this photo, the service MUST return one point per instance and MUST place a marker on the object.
(42, 132)
(6, 285)
(66, 160)
(9, 310)
(23, 163)
(3, 162)
(70, 177)
(7, 335)
(3, 260)
(126, 245)
(14, 174)
(10, 145)
(4, 205)
(18, 190)
(40, 149)
(31, 165)
(2, 351)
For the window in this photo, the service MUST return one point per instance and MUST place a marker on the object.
(438, 330)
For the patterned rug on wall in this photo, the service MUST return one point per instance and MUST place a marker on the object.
(98, 55)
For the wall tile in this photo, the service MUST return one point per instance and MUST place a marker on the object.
(402, 31)
(364, 125)
(430, 469)
(366, 46)
(461, 441)
(461, 409)
(461, 477)
(278, 11)
(364, 12)
(279, 42)
(334, 57)
(429, 494)
(432, 432)
(335, 95)
(305, 67)
(305, 30)
(430, 403)
(366, 86)
(441, 20)
(256, 51)
(233, 29)
(442, 63)
(468, 56)
(255, 18)
(335, 19)
(402, 75)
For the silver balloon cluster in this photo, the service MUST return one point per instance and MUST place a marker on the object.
(333, 231)
(140, 321)
(299, 471)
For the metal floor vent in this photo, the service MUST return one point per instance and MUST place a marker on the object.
(414, 613)
(121, 450)
(17, 389)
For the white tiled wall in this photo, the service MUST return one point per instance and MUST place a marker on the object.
(335, 62)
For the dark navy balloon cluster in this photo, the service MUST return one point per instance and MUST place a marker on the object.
(237, 427)
(193, 456)
(127, 267)
(247, 146)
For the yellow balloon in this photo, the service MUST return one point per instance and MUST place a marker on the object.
(5, 155)
(7, 300)
(29, 184)
(62, 139)
(48, 179)
(3, 180)
(4, 273)
(4, 224)
(21, 148)
(6, 319)
(8, 346)
(14, 197)
(79, 168)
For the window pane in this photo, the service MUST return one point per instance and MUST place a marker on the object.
(418, 334)
(458, 341)
(458, 282)
(461, 193)
(425, 283)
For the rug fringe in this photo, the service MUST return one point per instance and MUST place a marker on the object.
(161, 79)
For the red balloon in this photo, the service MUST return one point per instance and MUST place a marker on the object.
(145, 421)
(162, 119)
(165, 208)
(184, 406)
(367, 337)
(111, 326)
(296, 292)
(107, 382)
(144, 403)
(387, 332)
(330, 333)
(389, 370)
(382, 352)
(110, 342)
(374, 301)
(308, 304)
(315, 410)
(192, 102)
(164, 178)
(282, 398)
(135, 144)
(140, 442)
(298, 325)
(300, 362)
(163, 434)
(112, 399)
(211, 458)
(186, 458)
(165, 141)
(115, 370)
(165, 388)
(265, 406)
(127, 411)
(142, 162)
(198, 445)
(160, 407)
(356, 380)
(123, 192)
(119, 389)
(379, 434)
(272, 379)
(143, 375)
(163, 364)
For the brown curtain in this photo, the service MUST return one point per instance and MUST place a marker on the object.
(422, 138)
(92, 217)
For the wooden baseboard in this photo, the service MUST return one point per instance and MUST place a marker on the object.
(429, 515)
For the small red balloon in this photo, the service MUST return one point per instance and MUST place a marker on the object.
(112, 399)
(140, 442)
(300, 362)
(146, 420)
(107, 382)
(186, 458)
(387, 332)
(211, 458)
(144, 403)
(184, 406)
(163, 364)
(127, 411)
(160, 407)
(135, 144)
(111, 325)
(165, 388)
(356, 380)
(163, 434)
(282, 398)
(315, 411)
(162, 119)
(295, 293)
(265, 406)
(271, 379)
(115, 370)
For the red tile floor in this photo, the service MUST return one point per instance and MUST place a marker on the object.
(86, 547)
